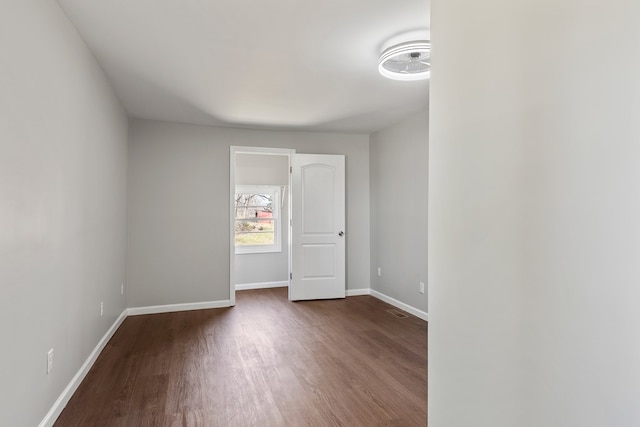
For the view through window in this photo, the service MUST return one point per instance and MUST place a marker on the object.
(257, 219)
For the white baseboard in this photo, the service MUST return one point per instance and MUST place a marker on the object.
(155, 309)
(263, 285)
(357, 292)
(68, 391)
(402, 306)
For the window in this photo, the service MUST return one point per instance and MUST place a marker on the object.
(257, 226)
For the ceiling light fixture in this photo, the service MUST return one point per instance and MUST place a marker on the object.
(406, 61)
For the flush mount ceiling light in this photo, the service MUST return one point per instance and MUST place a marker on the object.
(406, 61)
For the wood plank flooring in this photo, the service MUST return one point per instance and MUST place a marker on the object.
(264, 362)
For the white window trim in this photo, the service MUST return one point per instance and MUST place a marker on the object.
(260, 249)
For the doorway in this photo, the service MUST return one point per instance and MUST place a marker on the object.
(267, 249)
(260, 243)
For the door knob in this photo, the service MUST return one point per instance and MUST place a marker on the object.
(341, 233)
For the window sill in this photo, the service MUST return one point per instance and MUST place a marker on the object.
(254, 251)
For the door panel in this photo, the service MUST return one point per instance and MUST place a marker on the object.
(318, 225)
(317, 199)
(318, 261)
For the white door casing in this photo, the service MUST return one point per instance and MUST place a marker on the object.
(318, 227)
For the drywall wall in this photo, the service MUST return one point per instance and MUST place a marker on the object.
(533, 214)
(264, 169)
(179, 211)
(267, 169)
(398, 170)
(63, 171)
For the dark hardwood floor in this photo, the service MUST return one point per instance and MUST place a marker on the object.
(264, 362)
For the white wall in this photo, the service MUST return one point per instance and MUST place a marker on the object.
(63, 171)
(398, 168)
(534, 207)
(264, 169)
(179, 210)
(267, 169)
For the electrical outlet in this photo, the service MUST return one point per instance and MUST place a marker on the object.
(421, 288)
(101, 308)
(49, 361)
(122, 289)
(379, 272)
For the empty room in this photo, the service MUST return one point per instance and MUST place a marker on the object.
(227, 213)
(214, 213)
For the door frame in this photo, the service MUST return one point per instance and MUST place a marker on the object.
(235, 149)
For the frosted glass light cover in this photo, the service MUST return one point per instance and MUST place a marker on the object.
(406, 61)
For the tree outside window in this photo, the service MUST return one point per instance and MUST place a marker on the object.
(257, 219)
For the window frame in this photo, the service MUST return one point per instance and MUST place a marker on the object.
(275, 192)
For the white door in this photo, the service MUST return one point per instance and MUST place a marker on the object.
(318, 227)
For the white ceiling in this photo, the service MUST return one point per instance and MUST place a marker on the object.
(283, 64)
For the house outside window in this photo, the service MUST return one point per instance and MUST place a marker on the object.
(257, 219)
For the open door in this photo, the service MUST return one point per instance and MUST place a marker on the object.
(318, 227)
